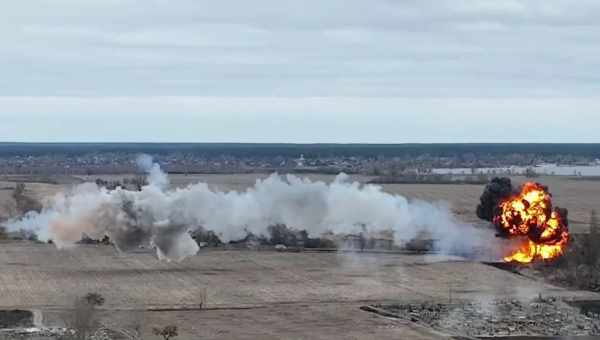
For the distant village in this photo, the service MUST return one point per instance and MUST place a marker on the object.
(189, 163)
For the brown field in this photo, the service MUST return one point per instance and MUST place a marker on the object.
(252, 294)
(269, 295)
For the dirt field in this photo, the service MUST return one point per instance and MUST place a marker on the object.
(236, 278)
(269, 295)
(252, 294)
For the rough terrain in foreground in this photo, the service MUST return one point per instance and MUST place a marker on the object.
(254, 294)
(505, 317)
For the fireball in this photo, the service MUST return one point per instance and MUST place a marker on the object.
(530, 216)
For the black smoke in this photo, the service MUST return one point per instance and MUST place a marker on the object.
(498, 190)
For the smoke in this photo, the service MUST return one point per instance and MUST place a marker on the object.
(155, 175)
(162, 218)
(501, 189)
(494, 193)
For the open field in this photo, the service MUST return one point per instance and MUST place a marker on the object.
(253, 294)
(239, 278)
(263, 294)
(39, 191)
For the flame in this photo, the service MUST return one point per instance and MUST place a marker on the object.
(529, 215)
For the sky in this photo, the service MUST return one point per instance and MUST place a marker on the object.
(348, 71)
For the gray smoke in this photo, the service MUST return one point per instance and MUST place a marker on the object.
(155, 175)
(162, 218)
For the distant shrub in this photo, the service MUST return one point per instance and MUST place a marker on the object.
(82, 322)
(281, 234)
(109, 185)
(207, 237)
(136, 183)
(531, 173)
(94, 299)
(85, 239)
(320, 243)
(27, 235)
(167, 332)
(580, 266)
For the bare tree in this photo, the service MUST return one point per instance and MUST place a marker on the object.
(139, 182)
(24, 203)
(82, 322)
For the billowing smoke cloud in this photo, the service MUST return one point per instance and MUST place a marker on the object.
(161, 217)
(156, 176)
(499, 189)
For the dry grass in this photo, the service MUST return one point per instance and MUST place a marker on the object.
(39, 276)
(28, 272)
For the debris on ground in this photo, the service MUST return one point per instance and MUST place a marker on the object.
(33, 333)
(543, 316)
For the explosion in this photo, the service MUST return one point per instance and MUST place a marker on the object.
(527, 215)
(530, 214)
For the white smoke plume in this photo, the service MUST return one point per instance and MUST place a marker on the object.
(156, 176)
(162, 218)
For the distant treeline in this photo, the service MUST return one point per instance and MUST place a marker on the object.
(432, 179)
(294, 150)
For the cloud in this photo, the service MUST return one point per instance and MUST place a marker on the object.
(278, 56)
(299, 119)
(288, 48)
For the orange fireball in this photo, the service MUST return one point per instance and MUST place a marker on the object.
(530, 215)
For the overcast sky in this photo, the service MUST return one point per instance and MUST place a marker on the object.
(300, 71)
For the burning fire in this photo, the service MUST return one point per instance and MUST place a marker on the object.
(530, 215)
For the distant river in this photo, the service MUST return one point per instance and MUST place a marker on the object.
(543, 169)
